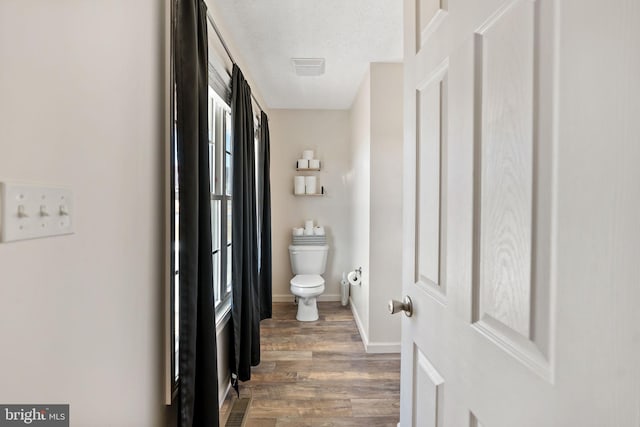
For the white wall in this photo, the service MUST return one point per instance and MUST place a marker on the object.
(326, 132)
(386, 200)
(376, 167)
(215, 47)
(360, 195)
(361, 150)
(81, 106)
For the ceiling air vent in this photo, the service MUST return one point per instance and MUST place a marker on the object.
(308, 66)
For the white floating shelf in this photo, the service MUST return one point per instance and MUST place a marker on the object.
(309, 195)
(308, 170)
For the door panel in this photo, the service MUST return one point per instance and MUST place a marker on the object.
(429, 15)
(511, 290)
(424, 267)
(520, 214)
(473, 421)
(431, 144)
(504, 108)
(428, 392)
(477, 214)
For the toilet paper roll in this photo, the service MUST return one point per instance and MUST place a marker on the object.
(298, 231)
(303, 164)
(318, 231)
(307, 154)
(298, 185)
(354, 278)
(310, 184)
(308, 224)
(308, 232)
(314, 164)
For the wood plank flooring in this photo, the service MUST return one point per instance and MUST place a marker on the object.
(318, 374)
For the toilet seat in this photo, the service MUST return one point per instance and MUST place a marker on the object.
(306, 288)
(307, 281)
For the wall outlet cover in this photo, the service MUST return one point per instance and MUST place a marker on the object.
(32, 211)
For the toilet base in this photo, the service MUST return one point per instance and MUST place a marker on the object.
(307, 301)
(307, 309)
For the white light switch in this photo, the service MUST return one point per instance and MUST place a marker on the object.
(30, 212)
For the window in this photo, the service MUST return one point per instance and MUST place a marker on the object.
(220, 169)
(220, 163)
(258, 184)
(175, 250)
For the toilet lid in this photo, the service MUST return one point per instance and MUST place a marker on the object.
(307, 280)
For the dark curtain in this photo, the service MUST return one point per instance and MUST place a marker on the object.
(265, 219)
(245, 308)
(198, 392)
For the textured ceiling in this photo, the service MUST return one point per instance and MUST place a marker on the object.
(348, 33)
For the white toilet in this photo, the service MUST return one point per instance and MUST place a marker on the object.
(308, 263)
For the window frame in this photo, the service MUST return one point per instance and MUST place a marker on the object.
(221, 132)
(219, 116)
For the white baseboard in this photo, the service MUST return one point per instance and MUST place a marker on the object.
(383, 347)
(372, 347)
(224, 395)
(282, 298)
(321, 298)
(356, 317)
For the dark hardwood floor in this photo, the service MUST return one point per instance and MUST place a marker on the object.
(318, 374)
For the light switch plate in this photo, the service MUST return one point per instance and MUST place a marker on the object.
(31, 211)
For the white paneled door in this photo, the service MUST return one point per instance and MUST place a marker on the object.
(500, 335)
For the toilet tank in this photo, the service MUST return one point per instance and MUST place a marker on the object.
(308, 259)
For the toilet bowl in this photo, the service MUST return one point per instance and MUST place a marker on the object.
(307, 288)
(307, 263)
